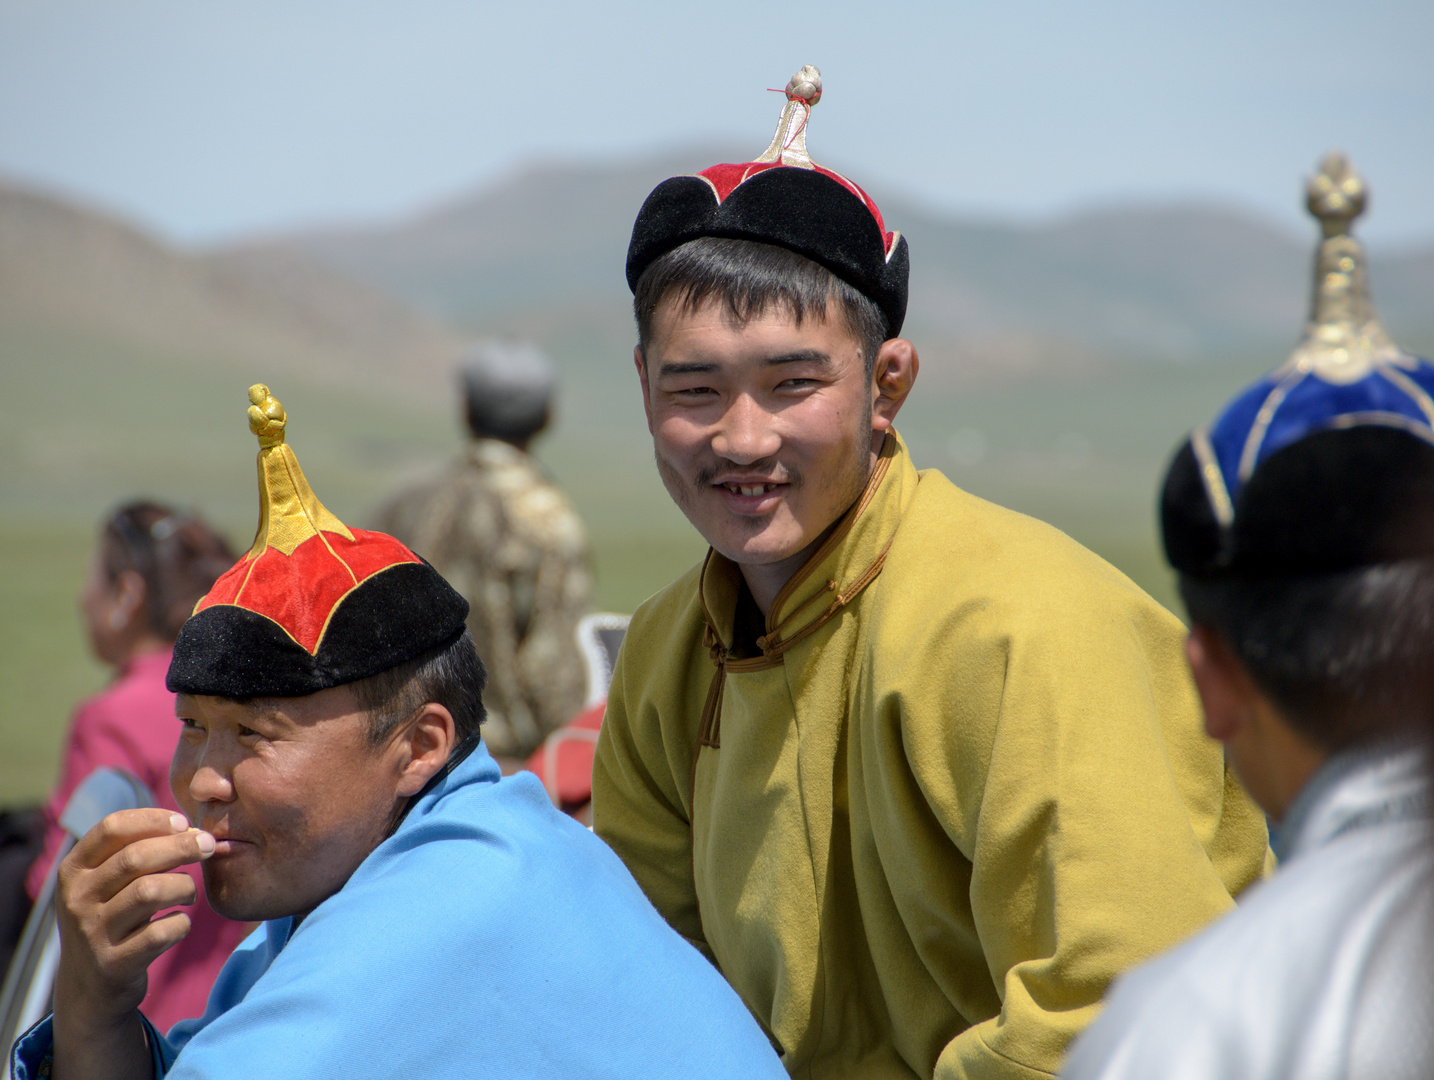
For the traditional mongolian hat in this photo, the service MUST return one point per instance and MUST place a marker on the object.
(1326, 463)
(313, 604)
(784, 198)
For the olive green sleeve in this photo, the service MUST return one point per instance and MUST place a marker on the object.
(639, 801)
(1069, 765)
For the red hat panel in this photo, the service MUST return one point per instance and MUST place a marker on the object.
(783, 198)
(313, 603)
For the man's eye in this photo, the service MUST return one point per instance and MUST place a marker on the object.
(694, 391)
(246, 732)
(189, 723)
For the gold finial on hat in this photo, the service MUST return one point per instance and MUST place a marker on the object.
(789, 144)
(266, 416)
(289, 511)
(1335, 195)
(1344, 338)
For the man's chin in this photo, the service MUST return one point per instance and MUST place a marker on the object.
(233, 900)
(757, 550)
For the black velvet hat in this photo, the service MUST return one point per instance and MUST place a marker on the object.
(313, 604)
(782, 198)
(1327, 463)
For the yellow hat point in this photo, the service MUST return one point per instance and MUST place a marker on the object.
(266, 416)
(289, 511)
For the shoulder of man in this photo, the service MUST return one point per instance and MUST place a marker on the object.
(992, 637)
(498, 893)
(973, 554)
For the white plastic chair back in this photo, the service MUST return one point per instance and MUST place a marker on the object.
(599, 636)
(30, 982)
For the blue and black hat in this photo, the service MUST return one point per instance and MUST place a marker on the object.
(1327, 463)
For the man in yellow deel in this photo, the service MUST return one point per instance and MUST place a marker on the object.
(921, 775)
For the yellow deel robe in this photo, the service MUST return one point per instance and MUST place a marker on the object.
(964, 785)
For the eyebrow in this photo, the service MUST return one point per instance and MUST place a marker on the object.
(264, 708)
(704, 367)
(695, 367)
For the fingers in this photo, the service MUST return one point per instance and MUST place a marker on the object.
(140, 900)
(140, 949)
(139, 858)
(123, 828)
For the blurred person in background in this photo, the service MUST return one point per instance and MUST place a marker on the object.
(1301, 523)
(497, 527)
(151, 565)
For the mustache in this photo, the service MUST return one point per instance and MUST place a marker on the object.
(712, 474)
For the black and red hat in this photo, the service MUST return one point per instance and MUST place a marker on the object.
(313, 604)
(783, 198)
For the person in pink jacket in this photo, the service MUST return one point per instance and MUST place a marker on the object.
(150, 566)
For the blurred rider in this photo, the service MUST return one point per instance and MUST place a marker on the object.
(496, 525)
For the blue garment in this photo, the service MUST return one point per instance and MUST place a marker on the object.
(489, 936)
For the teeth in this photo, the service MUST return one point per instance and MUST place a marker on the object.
(749, 490)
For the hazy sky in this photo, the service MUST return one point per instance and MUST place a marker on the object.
(204, 119)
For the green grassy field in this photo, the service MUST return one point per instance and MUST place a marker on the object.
(90, 424)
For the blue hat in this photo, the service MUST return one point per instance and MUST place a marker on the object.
(1326, 463)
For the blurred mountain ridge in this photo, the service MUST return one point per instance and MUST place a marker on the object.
(541, 252)
(72, 271)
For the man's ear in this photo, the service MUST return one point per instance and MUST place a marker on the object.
(130, 591)
(641, 363)
(426, 742)
(1228, 695)
(892, 377)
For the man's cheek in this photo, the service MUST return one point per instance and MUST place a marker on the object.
(181, 772)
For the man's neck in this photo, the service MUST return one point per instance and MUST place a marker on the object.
(767, 580)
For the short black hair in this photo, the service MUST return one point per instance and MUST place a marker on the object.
(1347, 657)
(178, 555)
(750, 277)
(450, 675)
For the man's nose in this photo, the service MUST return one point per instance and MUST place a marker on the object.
(212, 780)
(746, 432)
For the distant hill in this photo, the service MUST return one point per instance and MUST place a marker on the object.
(70, 270)
(541, 252)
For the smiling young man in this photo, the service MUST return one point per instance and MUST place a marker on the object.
(920, 774)
(421, 918)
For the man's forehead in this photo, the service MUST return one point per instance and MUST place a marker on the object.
(712, 331)
(677, 309)
(213, 703)
(306, 709)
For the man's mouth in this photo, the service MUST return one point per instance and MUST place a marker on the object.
(231, 846)
(226, 842)
(749, 490)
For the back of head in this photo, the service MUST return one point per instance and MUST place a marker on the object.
(1301, 520)
(508, 390)
(178, 555)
